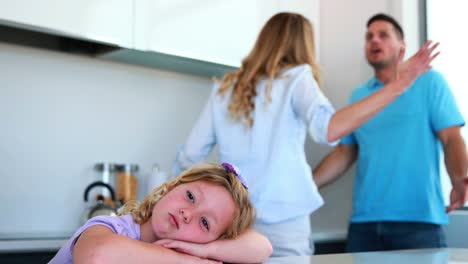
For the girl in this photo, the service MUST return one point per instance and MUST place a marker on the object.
(199, 214)
(259, 116)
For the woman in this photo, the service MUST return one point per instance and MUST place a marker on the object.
(259, 116)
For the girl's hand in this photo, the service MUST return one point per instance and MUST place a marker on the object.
(194, 249)
(207, 261)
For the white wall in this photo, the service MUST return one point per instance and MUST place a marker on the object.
(62, 113)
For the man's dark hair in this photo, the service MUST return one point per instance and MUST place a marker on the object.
(389, 19)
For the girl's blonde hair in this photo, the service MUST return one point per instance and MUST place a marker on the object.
(285, 41)
(212, 173)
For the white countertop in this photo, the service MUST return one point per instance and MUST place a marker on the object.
(420, 256)
(329, 236)
(31, 245)
(54, 244)
(33, 242)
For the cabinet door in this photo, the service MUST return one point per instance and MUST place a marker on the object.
(220, 31)
(107, 21)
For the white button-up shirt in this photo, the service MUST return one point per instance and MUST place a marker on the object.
(270, 154)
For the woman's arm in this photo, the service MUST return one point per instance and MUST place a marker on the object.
(353, 116)
(98, 244)
(249, 247)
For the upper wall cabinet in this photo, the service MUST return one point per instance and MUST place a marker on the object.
(218, 31)
(208, 37)
(100, 20)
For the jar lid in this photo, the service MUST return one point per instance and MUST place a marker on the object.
(127, 168)
(105, 166)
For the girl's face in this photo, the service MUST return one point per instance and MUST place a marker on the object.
(197, 212)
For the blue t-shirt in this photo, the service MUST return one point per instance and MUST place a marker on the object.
(397, 177)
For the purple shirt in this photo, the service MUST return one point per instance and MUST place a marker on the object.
(122, 225)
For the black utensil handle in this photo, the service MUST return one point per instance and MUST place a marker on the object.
(100, 184)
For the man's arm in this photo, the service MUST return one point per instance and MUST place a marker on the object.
(335, 164)
(456, 161)
(248, 247)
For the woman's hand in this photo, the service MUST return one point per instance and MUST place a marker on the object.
(194, 249)
(419, 63)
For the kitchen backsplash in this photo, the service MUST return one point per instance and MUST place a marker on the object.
(63, 113)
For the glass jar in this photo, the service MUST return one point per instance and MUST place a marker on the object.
(126, 183)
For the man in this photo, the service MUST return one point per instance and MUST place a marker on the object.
(398, 201)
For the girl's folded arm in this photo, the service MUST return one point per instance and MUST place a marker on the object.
(98, 244)
(248, 247)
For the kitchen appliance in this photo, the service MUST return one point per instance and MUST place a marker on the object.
(106, 172)
(101, 207)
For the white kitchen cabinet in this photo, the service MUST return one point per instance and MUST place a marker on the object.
(106, 21)
(206, 37)
(217, 31)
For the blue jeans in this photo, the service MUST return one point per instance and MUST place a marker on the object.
(377, 236)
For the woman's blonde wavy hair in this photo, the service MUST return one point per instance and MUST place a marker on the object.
(285, 41)
(212, 173)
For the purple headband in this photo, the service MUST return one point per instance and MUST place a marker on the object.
(233, 169)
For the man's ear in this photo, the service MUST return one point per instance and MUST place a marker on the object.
(401, 56)
(403, 45)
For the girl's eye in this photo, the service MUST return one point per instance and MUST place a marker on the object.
(190, 196)
(205, 223)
